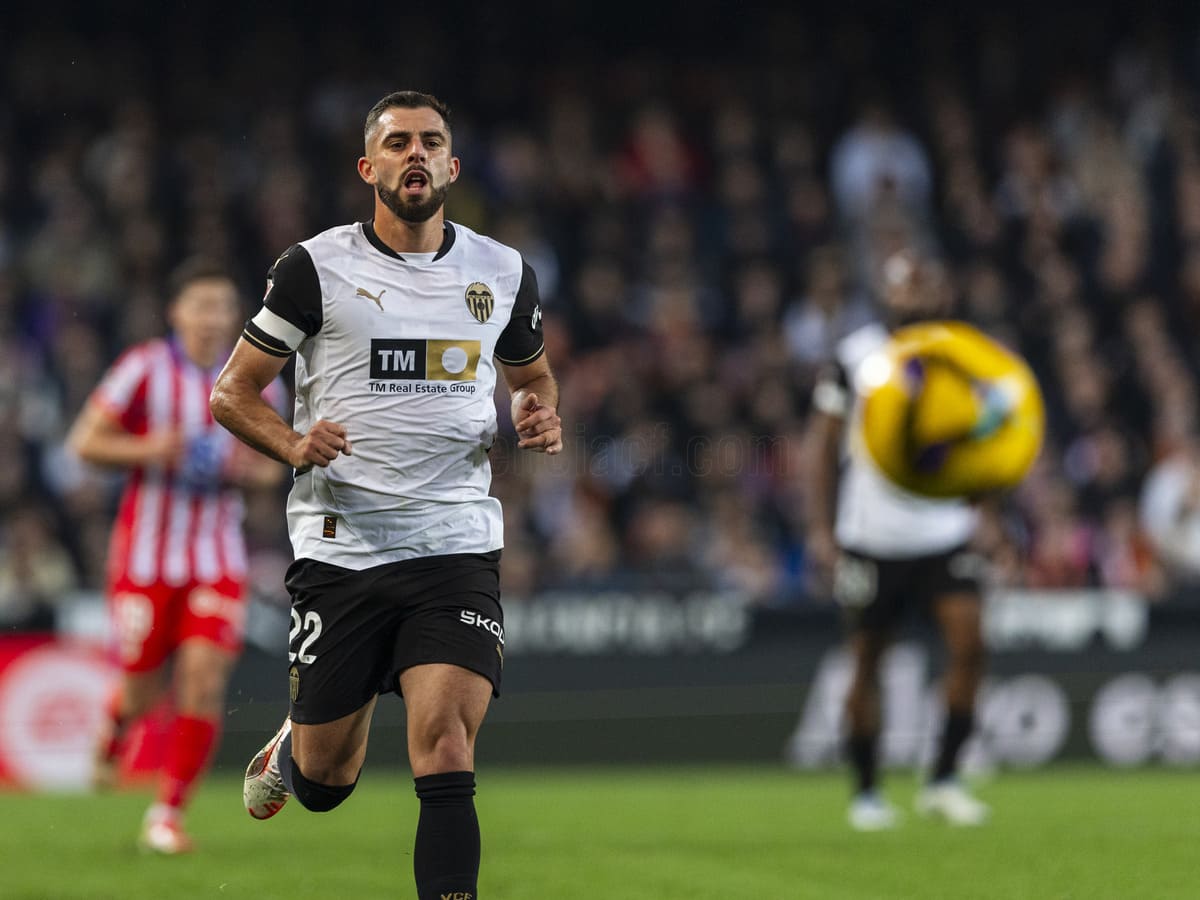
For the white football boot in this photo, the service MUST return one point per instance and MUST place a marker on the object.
(162, 832)
(950, 801)
(263, 791)
(870, 812)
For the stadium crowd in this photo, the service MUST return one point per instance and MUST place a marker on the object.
(703, 229)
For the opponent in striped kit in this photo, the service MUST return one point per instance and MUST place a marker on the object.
(177, 559)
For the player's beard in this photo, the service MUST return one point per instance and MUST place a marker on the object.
(413, 211)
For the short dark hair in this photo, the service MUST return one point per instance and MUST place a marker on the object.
(405, 100)
(191, 270)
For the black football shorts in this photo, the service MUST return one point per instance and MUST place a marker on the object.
(354, 632)
(875, 593)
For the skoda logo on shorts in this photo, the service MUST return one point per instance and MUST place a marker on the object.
(470, 617)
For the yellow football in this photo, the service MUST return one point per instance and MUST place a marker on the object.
(948, 412)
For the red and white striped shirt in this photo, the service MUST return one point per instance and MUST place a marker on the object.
(182, 523)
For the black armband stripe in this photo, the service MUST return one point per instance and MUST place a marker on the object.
(265, 342)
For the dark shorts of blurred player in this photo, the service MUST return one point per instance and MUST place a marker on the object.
(876, 594)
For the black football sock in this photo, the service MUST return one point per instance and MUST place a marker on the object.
(446, 854)
(958, 728)
(317, 797)
(285, 762)
(313, 796)
(861, 750)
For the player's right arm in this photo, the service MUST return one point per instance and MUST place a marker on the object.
(111, 428)
(237, 403)
(99, 437)
(822, 452)
(291, 313)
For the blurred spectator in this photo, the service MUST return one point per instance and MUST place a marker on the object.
(657, 162)
(35, 571)
(586, 552)
(1062, 554)
(828, 310)
(1126, 557)
(736, 553)
(878, 165)
(703, 234)
(1170, 511)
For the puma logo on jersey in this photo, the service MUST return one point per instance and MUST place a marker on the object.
(363, 292)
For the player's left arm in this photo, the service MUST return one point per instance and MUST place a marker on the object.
(521, 354)
(535, 406)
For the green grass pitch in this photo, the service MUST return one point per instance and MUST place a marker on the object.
(638, 834)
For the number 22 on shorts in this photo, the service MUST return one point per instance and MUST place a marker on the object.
(311, 623)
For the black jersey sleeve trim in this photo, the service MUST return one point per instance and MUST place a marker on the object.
(528, 297)
(294, 290)
(448, 237)
(264, 341)
(523, 362)
(368, 230)
(373, 238)
(521, 342)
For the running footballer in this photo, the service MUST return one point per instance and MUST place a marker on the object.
(398, 326)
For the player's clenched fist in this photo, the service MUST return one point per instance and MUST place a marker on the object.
(324, 441)
(538, 427)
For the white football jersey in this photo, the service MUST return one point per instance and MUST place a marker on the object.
(875, 517)
(399, 352)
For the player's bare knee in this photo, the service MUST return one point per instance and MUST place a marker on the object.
(200, 682)
(447, 751)
(139, 694)
(201, 695)
(327, 769)
(449, 756)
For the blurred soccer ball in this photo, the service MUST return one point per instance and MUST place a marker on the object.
(948, 412)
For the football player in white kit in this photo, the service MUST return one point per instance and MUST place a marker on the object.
(398, 326)
(887, 551)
